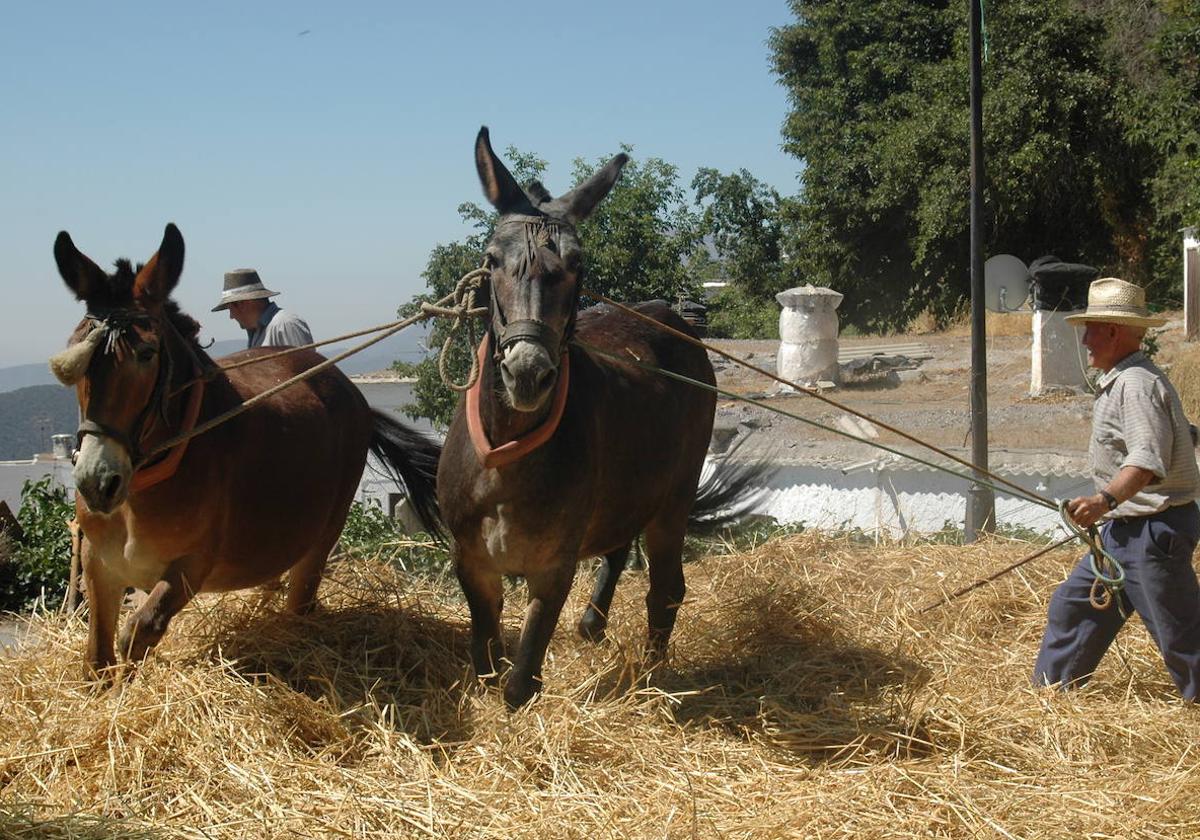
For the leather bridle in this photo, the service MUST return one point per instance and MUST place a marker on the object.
(118, 325)
(540, 231)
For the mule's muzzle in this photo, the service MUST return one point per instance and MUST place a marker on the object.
(103, 492)
(529, 375)
(102, 474)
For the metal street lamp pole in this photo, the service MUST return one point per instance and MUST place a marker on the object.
(981, 501)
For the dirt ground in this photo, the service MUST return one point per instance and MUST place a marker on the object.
(931, 402)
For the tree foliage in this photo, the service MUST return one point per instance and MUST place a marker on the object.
(742, 216)
(636, 239)
(743, 219)
(879, 95)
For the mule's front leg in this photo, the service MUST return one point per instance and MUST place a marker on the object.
(484, 591)
(548, 590)
(104, 593)
(149, 622)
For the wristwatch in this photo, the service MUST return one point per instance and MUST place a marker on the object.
(1110, 499)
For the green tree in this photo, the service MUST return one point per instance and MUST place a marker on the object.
(636, 239)
(743, 218)
(879, 115)
(634, 243)
(1156, 48)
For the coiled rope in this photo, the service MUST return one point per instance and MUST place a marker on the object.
(463, 310)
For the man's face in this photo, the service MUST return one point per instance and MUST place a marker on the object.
(246, 312)
(1101, 341)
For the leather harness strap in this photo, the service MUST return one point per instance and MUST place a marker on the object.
(514, 450)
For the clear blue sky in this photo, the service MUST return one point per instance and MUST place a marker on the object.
(334, 160)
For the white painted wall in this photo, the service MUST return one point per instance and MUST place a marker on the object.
(891, 499)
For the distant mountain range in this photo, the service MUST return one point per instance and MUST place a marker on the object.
(34, 406)
(404, 346)
(29, 416)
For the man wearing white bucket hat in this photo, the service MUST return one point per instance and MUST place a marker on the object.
(266, 325)
(1147, 482)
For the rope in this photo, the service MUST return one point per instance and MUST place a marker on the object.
(997, 575)
(211, 373)
(1020, 491)
(462, 298)
(287, 383)
(463, 310)
(815, 393)
(1109, 575)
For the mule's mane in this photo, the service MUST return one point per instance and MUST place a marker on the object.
(117, 293)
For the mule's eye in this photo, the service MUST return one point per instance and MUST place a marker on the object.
(146, 353)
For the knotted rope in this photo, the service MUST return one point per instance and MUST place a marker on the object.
(463, 309)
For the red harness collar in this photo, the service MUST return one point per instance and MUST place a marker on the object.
(164, 469)
(507, 453)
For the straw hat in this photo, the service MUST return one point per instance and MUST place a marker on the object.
(242, 284)
(1114, 301)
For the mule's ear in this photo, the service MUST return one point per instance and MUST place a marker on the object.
(581, 201)
(499, 186)
(159, 276)
(82, 276)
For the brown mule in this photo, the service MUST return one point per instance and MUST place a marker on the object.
(236, 506)
(525, 494)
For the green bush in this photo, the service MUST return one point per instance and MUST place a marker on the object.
(39, 564)
(371, 532)
(734, 314)
(366, 528)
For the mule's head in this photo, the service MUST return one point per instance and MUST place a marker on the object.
(116, 359)
(536, 267)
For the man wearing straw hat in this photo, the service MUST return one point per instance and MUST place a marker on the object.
(266, 325)
(1147, 481)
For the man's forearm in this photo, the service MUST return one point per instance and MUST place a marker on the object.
(1128, 483)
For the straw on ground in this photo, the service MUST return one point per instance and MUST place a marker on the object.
(804, 698)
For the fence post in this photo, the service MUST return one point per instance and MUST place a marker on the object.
(1191, 284)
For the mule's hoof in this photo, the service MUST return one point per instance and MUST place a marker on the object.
(592, 627)
(519, 692)
(135, 644)
(101, 676)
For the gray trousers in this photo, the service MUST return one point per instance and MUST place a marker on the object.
(1160, 585)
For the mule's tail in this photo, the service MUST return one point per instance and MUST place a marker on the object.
(411, 459)
(730, 492)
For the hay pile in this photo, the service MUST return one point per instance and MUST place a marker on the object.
(804, 698)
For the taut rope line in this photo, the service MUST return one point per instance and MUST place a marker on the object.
(1109, 575)
(437, 308)
(813, 393)
(1029, 495)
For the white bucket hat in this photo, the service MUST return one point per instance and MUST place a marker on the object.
(1115, 301)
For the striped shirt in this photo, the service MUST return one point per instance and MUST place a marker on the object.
(1138, 421)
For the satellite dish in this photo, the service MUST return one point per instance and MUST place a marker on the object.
(1005, 283)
